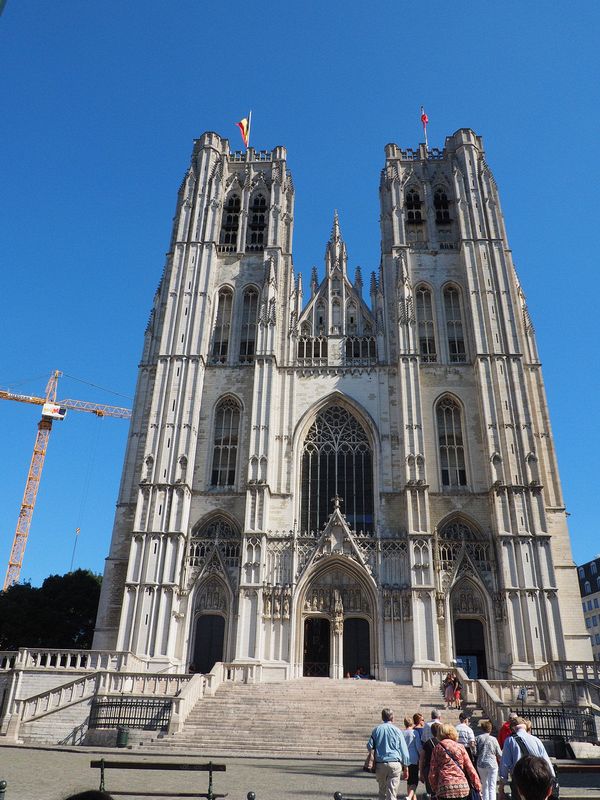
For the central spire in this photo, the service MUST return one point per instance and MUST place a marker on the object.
(335, 254)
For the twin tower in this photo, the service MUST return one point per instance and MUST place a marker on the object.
(333, 476)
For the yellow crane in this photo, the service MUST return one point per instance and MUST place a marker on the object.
(51, 410)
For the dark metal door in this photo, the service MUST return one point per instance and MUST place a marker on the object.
(357, 651)
(208, 645)
(316, 647)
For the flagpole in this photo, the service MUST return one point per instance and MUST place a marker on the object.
(423, 118)
(249, 128)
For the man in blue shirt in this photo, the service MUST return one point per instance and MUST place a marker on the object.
(391, 756)
(511, 752)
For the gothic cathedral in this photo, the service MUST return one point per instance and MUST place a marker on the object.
(332, 477)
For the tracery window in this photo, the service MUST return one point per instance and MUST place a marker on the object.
(441, 205)
(312, 350)
(361, 350)
(248, 330)
(219, 533)
(450, 438)
(425, 324)
(413, 206)
(454, 326)
(257, 223)
(227, 424)
(222, 326)
(230, 221)
(337, 461)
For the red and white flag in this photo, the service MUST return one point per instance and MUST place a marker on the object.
(424, 120)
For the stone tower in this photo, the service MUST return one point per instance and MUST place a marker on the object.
(339, 484)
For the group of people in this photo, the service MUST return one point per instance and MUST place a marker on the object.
(451, 761)
(452, 690)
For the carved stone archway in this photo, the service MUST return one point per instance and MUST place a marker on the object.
(470, 628)
(336, 591)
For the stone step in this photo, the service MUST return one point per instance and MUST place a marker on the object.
(302, 717)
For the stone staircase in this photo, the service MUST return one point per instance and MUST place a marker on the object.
(304, 717)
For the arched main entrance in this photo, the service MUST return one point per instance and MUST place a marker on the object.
(357, 646)
(208, 642)
(469, 646)
(317, 647)
(336, 613)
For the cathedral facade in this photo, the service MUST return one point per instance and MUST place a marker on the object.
(336, 476)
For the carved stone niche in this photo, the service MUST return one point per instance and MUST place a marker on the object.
(327, 592)
(467, 600)
(211, 597)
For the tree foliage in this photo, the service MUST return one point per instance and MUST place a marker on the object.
(61, 613)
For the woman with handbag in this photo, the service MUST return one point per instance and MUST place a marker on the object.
(451, 772)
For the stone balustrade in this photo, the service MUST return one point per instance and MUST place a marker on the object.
(185, 702)
(79, 660)
(7, 659)
(152, 684)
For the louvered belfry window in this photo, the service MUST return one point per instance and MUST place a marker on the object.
(227, 425)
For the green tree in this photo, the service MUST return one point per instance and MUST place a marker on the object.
(61, 613)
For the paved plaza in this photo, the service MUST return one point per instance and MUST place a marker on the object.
(54, 773)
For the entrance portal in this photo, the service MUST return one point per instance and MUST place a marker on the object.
(469, 642)
(316, 647)
(208, 644)
(357, 651)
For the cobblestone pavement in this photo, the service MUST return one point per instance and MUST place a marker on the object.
(53, 774)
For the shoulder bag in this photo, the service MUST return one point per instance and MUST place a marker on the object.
(474, 794)
(526, 752)
(369, 765)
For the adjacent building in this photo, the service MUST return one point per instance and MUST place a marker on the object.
(589, 586)
(349, 471)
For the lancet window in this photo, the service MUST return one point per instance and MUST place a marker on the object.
(222, 326)
(451, 446)
(454, 326)
(257, 223)
(426, 329)
(441, 205)
(248, 329)
(413, 206)
(337, 467)
(230, 221)
(227, 425)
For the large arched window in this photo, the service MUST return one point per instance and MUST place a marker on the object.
(450, 438)
(257, 223)
(454, 326)
(227, 428)
(222, 326)
(230, 221)
(337, 462)
(248, 331)
(425, 325)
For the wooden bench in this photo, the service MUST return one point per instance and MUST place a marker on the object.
(103, 765)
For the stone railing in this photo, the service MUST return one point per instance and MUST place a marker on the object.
(7, 659)
(429, 678)
(152, 684)
(570, 671)
(94, 684)
(185, 702)
(79, 660)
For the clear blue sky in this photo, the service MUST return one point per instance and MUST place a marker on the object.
(100, 104)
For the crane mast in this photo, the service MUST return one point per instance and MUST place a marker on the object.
(51, 410)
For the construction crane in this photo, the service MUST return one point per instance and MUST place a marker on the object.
(51, 410)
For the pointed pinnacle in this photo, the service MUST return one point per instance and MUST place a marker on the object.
(335, 229)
